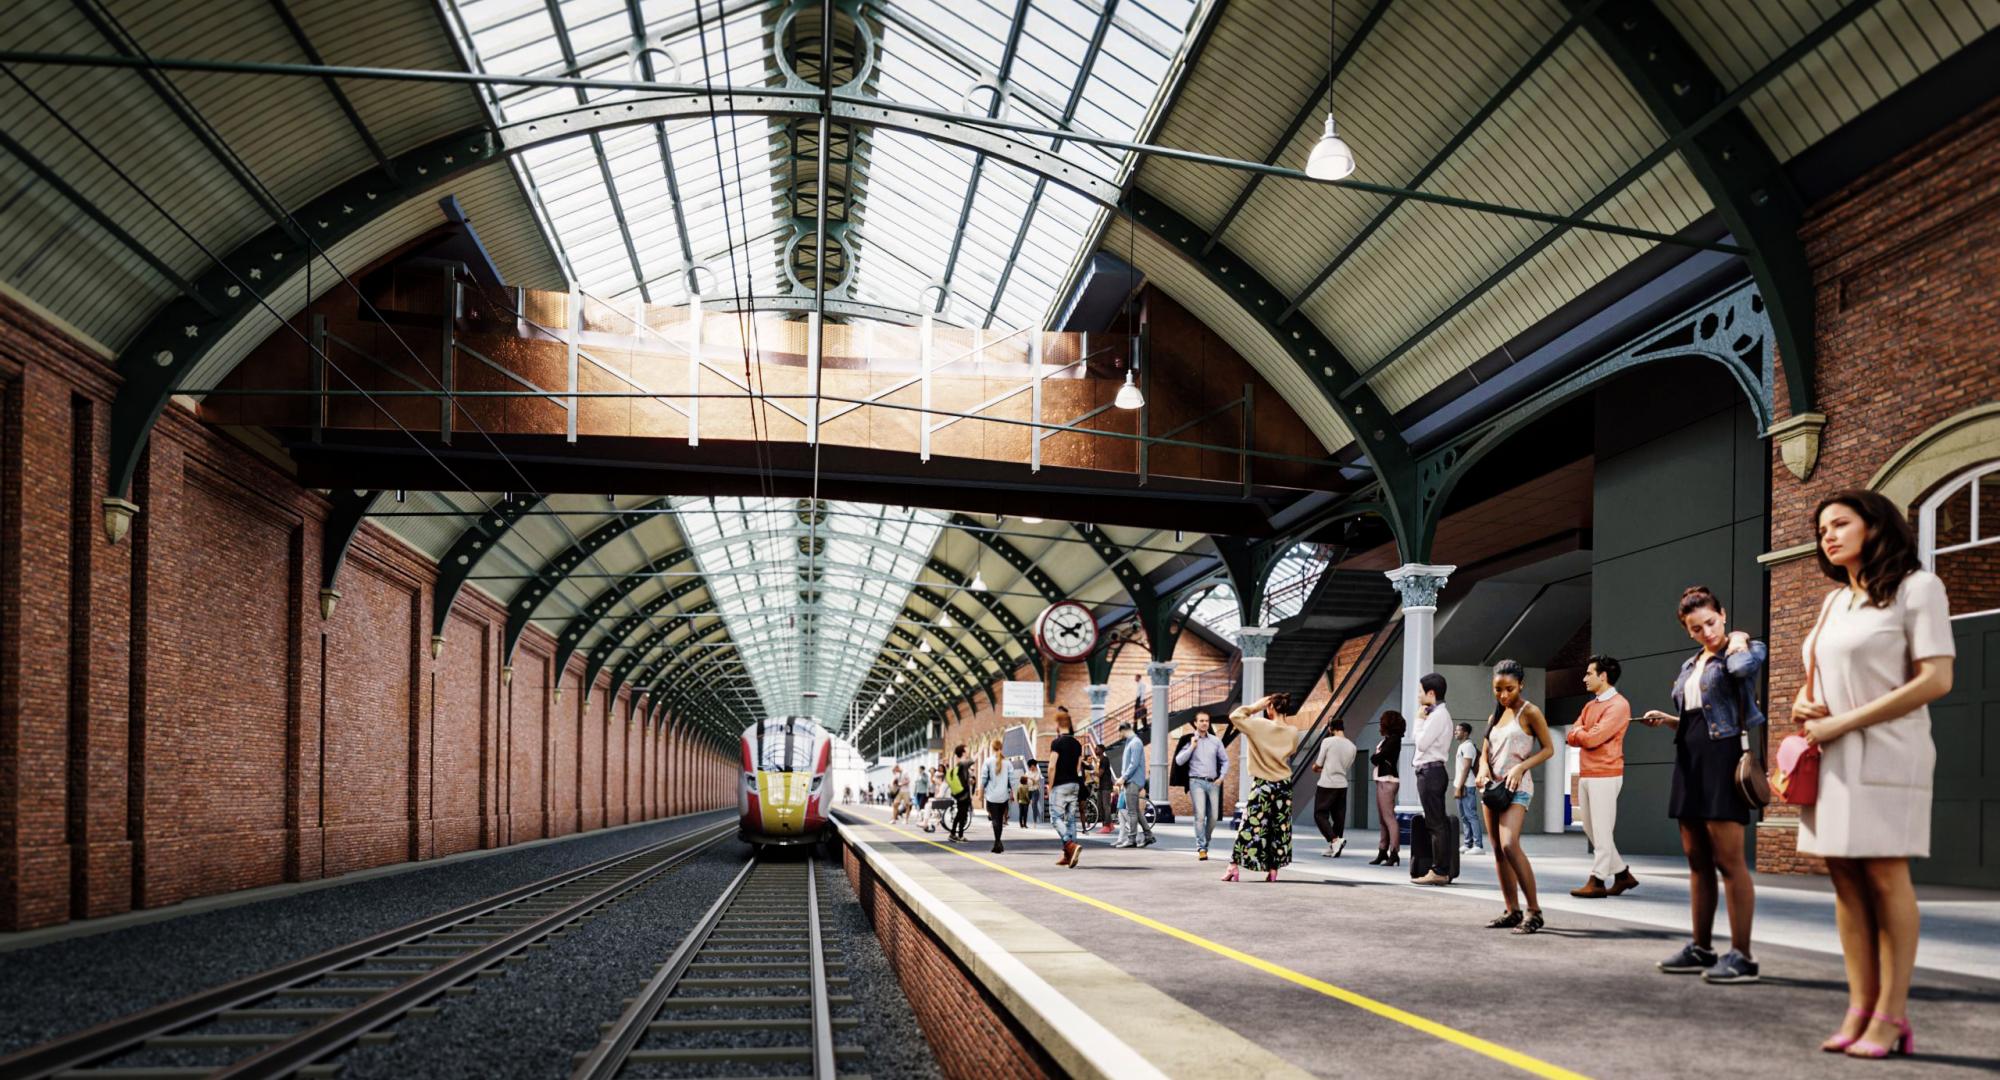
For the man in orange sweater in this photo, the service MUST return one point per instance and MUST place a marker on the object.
(1600, 733)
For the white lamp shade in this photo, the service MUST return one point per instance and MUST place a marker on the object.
(1331, 159)
(1128, 396)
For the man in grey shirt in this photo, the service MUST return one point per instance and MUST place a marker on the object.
(1207, 764)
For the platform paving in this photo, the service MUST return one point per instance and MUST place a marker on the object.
(1344, 969)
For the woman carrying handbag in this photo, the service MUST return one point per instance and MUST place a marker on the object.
(1880, 653)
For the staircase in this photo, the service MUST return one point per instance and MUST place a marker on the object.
(1343, 604)
(1213, 689)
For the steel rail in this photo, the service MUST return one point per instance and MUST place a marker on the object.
(749, 928)
(77, 1053)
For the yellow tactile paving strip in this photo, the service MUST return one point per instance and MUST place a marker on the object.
(1149, 1025)
(1152, 1030)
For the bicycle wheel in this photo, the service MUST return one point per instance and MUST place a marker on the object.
(1086, 812)
(1151, 814)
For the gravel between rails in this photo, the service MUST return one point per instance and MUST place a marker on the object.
(64, 986)
(550, 1005)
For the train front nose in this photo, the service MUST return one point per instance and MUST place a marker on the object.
(783, 798)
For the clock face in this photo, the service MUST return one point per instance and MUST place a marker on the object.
(1067, 631)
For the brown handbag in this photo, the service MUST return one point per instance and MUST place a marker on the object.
(1751, 782)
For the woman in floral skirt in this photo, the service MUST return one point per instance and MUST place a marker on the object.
(1265, 840)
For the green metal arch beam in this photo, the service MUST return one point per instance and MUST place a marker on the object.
(350, 509)
(1009, 621)
(1730, 330)
(967, 691)
(648, 675)
(1010, 554)
(488, 528)
(637, 655)
(1249, 563)
(183, 332)
(573, 631)
(529, 596)
(1372, 424)
(1145, 600)
(995, 651)
(1743, 178)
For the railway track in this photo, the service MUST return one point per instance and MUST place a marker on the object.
(293, 1019)
(750, 990)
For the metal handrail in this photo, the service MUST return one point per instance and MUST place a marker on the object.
(1351, 683)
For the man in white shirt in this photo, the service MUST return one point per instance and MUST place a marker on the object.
(1334, 762)
(1433, 747)
(1466, 793)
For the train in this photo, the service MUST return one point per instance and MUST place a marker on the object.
(786, 789)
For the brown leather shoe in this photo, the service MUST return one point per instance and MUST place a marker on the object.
(1623, 882)
(1590, 890)
(1063, 859)
(1075, 855)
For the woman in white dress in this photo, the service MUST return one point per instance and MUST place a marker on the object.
(1879, 654)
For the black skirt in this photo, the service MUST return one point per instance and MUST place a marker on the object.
(1705, 774)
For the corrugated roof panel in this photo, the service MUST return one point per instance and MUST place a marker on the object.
(1555, 276)
(1248, 86)
(1192, 290)
(1424, 71)
(289, 133)
(392, 34)
(1884, 49)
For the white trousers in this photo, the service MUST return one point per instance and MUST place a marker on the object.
(1598, 806)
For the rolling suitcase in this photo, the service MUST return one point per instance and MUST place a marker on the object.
(1422, 858)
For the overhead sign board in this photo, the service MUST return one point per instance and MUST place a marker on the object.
(1021, 700)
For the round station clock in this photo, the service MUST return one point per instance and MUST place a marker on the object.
(1066, 630)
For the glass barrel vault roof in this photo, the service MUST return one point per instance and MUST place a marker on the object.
(922, 212)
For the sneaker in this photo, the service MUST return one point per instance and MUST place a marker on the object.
(1475, 850)
(1148, 841)
(1328, 853)
(1122, 843)
(1691, 960)
(1339, 846)
(1734, 967)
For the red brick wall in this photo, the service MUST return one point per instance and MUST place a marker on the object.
(176, 719)
(527, 730)
(463, 707)
(369, 680)
(1907, 267)
(970, 1033)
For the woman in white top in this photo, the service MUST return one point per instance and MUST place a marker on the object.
(998, 779)
(1517, 741)
(1335, 760)
(1879, 654)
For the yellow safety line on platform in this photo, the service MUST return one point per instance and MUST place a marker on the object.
(1449, 1034)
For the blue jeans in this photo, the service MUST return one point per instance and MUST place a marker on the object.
(1062, 811)
(1470, 820)
(1206, 795)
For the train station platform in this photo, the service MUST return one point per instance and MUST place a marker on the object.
(1145, 961)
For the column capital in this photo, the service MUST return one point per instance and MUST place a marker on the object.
(1255, 640)
(1418, 584)
(1099, 693)
(1160, 671)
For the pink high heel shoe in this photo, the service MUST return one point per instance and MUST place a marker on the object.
(1905, 1044)
(1231, 875)
(1837, 1042)
(1271, 876)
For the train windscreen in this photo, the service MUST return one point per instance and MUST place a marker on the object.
(785, 745)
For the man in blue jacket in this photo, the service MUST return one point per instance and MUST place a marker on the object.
(1131, 777)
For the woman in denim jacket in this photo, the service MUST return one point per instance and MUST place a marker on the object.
(1715, 697)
